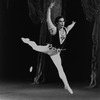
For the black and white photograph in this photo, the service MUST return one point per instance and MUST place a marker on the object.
(49, 49)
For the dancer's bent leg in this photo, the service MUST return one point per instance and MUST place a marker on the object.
(35, 47)
(57, 61)
(43, 49)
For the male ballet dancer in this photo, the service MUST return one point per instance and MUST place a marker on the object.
(58, 32)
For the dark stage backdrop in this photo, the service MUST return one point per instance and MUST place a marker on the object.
(92, 12)
(17, 57)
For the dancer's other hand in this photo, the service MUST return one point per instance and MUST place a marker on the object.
(52, 5)
(73, 22)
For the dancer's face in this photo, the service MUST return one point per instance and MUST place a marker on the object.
(61, 23)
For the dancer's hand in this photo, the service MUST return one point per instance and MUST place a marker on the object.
(73, 22)
(52, 5)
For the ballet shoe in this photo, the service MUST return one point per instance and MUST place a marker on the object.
(69, 89)
(25, 40)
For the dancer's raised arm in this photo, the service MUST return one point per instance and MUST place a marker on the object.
(51, 26)
(70, 27)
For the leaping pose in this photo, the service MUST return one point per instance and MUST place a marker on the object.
(58, 32)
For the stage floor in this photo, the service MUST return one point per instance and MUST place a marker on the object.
(28, 91)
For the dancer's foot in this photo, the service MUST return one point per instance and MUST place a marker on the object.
(25, 40)
(69, 89)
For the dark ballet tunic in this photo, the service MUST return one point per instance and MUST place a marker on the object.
(56, 41)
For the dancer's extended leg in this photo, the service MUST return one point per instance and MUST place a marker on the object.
(44, 49)
(57, 61)
(35, 47)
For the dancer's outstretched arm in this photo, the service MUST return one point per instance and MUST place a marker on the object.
(70, 27)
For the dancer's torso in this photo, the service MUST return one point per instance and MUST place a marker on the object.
(56, 42)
